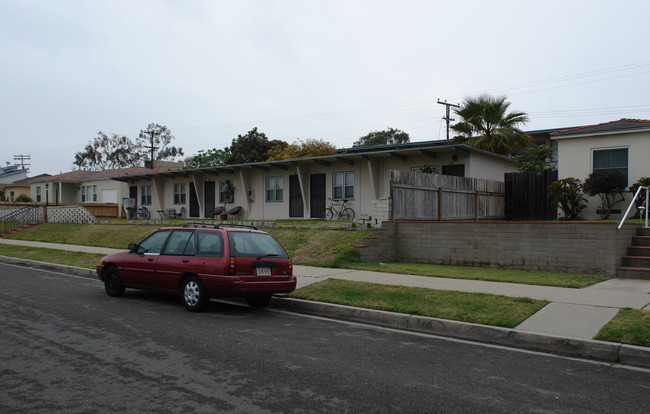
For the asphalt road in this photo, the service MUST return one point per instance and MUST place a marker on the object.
(67, 347)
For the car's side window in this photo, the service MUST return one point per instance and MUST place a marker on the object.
(181, 242)
(210, 243)
(154, 243)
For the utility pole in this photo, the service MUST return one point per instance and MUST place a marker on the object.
(153, 134)
(447, 117)
(22, 159)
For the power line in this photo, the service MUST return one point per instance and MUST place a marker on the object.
(22, 159)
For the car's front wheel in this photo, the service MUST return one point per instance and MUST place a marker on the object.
(194, 295)
(258, 301)
(113, 283)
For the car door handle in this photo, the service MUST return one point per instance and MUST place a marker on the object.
(186, 260)
(150, 259)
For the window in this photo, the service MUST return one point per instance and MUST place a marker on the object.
(431, 169)
(88, 193)
(343, 185)
(226, 191)
(243, 243)
(210, 243)
(179, 193)
(38, 194)
(11, 196)
(274, 189)
(180, 243)
(614, 159)
(457, 170)
(145, 192)
(154, 243)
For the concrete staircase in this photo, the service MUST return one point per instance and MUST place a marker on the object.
(636, 264)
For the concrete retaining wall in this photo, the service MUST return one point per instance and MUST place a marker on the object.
(573, 247)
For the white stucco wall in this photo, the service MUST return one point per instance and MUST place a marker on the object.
(575, 160)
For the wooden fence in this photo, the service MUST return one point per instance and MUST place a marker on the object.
(419, 196)
(527, 196)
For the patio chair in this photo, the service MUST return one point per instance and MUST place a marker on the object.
(217, 211)
(234, 211)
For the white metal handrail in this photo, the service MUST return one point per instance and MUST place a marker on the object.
(645, 208)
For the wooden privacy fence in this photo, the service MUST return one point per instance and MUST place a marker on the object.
(527, 196)
(419, 196)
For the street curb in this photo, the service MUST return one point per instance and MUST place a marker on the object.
(600, 350)
(584, 348)
(52, 267)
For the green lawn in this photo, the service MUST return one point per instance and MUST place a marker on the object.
(309, 247)
(479, 308)
(78, 259)
(629, 326)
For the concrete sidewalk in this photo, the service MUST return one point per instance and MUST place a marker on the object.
(572, 314)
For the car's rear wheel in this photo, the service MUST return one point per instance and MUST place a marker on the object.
(112, 282)
(258, 301)
(194, 295)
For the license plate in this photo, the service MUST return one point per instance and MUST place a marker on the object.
(263, 271)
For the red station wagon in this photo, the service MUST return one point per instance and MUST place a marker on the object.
(202, 261)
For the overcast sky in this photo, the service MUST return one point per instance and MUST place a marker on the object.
(334, 70)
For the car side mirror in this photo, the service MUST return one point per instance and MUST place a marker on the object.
(133, 248)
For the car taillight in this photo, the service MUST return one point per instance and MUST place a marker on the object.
(290, 267)
(231, 267)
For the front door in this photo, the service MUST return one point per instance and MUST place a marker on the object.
(317, 192)
(296, 207)
(209, 193)
(194, 201)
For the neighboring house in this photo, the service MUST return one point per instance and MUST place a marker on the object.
(12, 173)
(300, 188)
(622, 145)
(543, 137)
(13, 190)
(81, 186)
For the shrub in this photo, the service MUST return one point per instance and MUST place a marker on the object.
(567, 193)
(640, 201)
(609, 186)
(23, 198)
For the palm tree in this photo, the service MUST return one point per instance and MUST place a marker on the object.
(486, 125)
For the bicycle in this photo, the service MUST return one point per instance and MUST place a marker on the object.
(142, 213)
(345, 213)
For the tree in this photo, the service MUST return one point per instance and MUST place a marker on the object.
(609, 186)
(567, 193)
(207, 158)
(252, 147)
(535, 160)
(303, 149)
(486, 124)
(157, 138)
(105, 152)
(389, 136)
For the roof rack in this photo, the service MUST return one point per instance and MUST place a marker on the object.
(217, 225)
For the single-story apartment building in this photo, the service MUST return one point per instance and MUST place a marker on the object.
(300, 188)
(622, 145)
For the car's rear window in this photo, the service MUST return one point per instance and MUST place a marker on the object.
(210, 243)
(254, 245)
